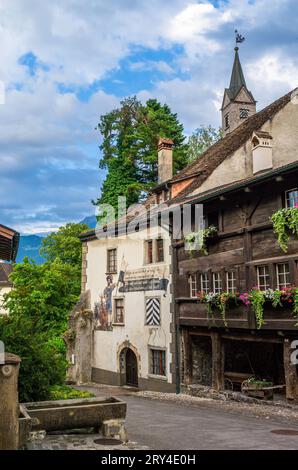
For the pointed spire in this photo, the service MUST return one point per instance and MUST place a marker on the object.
(237, 78)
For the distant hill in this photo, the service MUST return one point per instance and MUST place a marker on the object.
(30, 244)
(90, 221)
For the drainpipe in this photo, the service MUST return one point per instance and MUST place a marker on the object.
(175, 314)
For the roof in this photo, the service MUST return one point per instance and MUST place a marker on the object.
(9, 243)
(206, 163)
(237, 78)
(237, 82)
(240, 184)
(5, 270)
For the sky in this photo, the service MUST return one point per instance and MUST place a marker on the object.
(64, 63)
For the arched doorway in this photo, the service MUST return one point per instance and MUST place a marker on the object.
(131, 368)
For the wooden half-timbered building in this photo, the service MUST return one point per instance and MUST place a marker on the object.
(241, 181)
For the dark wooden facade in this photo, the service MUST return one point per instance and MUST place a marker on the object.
(244, 242)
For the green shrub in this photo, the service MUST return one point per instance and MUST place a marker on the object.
(41, 365)
(64, 392)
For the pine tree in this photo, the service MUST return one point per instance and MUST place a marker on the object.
(129, 148)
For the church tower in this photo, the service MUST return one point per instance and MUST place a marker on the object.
(238, 102)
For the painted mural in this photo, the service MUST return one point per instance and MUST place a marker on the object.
(103, 310)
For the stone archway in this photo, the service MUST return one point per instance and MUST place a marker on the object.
(129, 361)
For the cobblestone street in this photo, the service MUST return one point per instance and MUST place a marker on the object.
(78, 442)
(166, 421)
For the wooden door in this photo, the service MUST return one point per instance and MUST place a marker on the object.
(131, 368)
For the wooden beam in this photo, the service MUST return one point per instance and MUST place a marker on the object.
(276, 259)
(217, 362)
(257, 339)
(187, 356)
(290, 372)
(200, 333)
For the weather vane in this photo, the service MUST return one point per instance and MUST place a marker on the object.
(239, 37)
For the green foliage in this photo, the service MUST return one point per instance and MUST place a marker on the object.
(197, 241)
(259, 383)
(64, 392)
(285, 224)
(219, 302)
(257, 299)
(201, 140)
(129, 148)
(64, 244)
(44, 293)
(39, 306)
(41, 366)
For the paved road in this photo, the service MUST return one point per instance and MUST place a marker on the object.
(161, 424)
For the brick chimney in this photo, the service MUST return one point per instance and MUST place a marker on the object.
(165, 159)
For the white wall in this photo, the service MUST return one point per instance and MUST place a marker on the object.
(141, 336)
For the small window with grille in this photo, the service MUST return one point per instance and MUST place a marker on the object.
(283, 275)
(119, 311)
(217, 285)
(263, 277)
(292, 198)
(231, 282)
(192, 279)
(204, 282)
(112, 260)
(158, 362)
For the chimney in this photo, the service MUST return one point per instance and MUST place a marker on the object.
(165, 159)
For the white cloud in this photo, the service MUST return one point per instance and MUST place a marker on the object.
(48, 145)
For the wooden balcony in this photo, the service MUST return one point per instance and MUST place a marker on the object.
(194, 313)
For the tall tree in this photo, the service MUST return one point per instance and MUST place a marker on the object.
(129, 148)
(64, 244)
(201, 139)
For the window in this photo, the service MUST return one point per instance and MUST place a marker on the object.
(154, 251)
(213, 219)
(192, 285)
(292, 198)
(227, 121)
(165, 195)
(244, 113)
(112, 261)
(159, 250)
(263, 277)
(231, 282)
(119, 310)
(158, 362)
(283, 275)
(149, 251)
(217, 283)
(204, 282)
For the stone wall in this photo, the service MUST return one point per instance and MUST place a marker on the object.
(202, 360)
(78, 339)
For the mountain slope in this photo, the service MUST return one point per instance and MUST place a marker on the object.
(30, 244)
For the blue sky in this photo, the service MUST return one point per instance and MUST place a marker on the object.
(66, 62)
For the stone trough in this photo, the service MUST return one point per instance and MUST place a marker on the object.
(107, 414)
